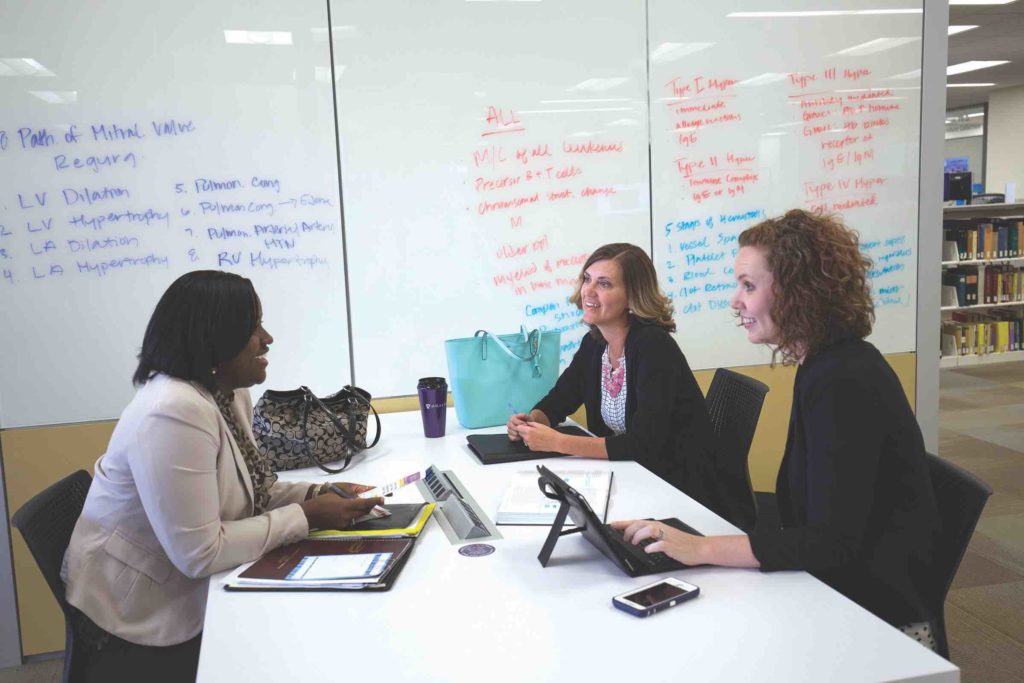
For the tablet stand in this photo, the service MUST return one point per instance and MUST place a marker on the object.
(556, 529)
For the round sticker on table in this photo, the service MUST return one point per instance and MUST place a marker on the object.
(476, 550)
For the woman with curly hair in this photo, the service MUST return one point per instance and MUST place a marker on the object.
(643, 402)
(855, 498)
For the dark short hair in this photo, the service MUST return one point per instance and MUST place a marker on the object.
(643, 295)
(203, 319)
(820, 281)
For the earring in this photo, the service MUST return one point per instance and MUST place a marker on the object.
(213, 371)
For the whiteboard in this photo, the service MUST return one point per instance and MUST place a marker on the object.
(754, 115)
(423, 170)
(141, 141)
(486, 149)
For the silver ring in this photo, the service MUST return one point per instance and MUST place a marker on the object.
(661, 534)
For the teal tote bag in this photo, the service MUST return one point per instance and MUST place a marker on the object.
(492, 374)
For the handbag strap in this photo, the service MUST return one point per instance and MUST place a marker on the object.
(362, 399)
(310, 399)
(533, 343)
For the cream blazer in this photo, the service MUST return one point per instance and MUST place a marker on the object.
(171, 503)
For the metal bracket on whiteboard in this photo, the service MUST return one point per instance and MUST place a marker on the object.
(460, 516)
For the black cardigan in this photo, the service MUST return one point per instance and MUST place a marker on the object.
(667, 426)
(855, 497)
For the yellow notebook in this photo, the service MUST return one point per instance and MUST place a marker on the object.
(407, 519)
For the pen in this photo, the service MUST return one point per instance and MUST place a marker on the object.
(516, 412)
(341, 492)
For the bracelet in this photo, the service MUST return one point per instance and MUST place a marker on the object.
(312, 491)
(324, 488)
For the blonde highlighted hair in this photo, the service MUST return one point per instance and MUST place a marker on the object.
(644, 298)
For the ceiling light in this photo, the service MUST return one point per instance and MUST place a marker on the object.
(969, 85)
(668, 52)
(821, 13)
(56, 96)
(258, 37)
(906, 76)
(876, 45)
(953, 30)
(23, 66)
(598, 84)
(975, 114)
(973, 65)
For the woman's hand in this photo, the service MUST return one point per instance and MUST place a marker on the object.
(514, 423)
(678, 545)
(331, 511)
(540, 437)
(352, 489)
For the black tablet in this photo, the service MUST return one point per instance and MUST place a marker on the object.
(630, 558)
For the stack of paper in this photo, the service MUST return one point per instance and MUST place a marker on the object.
(523, 502)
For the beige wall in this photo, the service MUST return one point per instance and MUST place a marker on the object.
(34, 458)
(1005, 145)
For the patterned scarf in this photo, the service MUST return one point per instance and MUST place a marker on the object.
(260, 472)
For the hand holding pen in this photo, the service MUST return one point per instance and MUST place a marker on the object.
(515, 421)
(339, 507)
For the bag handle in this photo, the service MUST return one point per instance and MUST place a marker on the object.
(309, 399)
(531, 338)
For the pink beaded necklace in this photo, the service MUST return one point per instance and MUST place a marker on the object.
(615, 377)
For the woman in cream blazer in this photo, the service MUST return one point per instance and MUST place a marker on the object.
(181, 492)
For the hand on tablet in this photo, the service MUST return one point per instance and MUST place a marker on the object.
(678, 545)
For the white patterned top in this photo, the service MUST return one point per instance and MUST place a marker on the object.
(613, 408)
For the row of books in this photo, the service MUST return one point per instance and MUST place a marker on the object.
(975, 334)
(998, 285)
(1003, 284)
(985, 238)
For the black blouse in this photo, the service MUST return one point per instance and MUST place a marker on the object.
(667, 426)
(854, 494)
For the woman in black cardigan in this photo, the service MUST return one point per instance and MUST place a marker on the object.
(642, 400)
(854, 493)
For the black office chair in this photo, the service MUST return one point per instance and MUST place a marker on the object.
(734, 404)
(46, 522)
(960, 497)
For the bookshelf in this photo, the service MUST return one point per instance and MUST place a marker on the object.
(982, 302)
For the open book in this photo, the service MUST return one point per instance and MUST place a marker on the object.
(523, 502)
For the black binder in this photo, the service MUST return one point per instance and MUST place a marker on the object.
(491, 449)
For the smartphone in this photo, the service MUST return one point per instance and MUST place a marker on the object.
(654, 597)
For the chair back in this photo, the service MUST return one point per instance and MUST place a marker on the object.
(960, 497)
(46, 522)
(734, 405)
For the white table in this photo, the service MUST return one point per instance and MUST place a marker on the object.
(503, 617)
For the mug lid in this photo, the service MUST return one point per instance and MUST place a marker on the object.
(431, 383)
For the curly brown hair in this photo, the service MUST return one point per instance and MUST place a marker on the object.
(643, 296)
(820, 281)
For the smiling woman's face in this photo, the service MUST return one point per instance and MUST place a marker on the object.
(754, 298)
(603, 295)
(249, 366)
